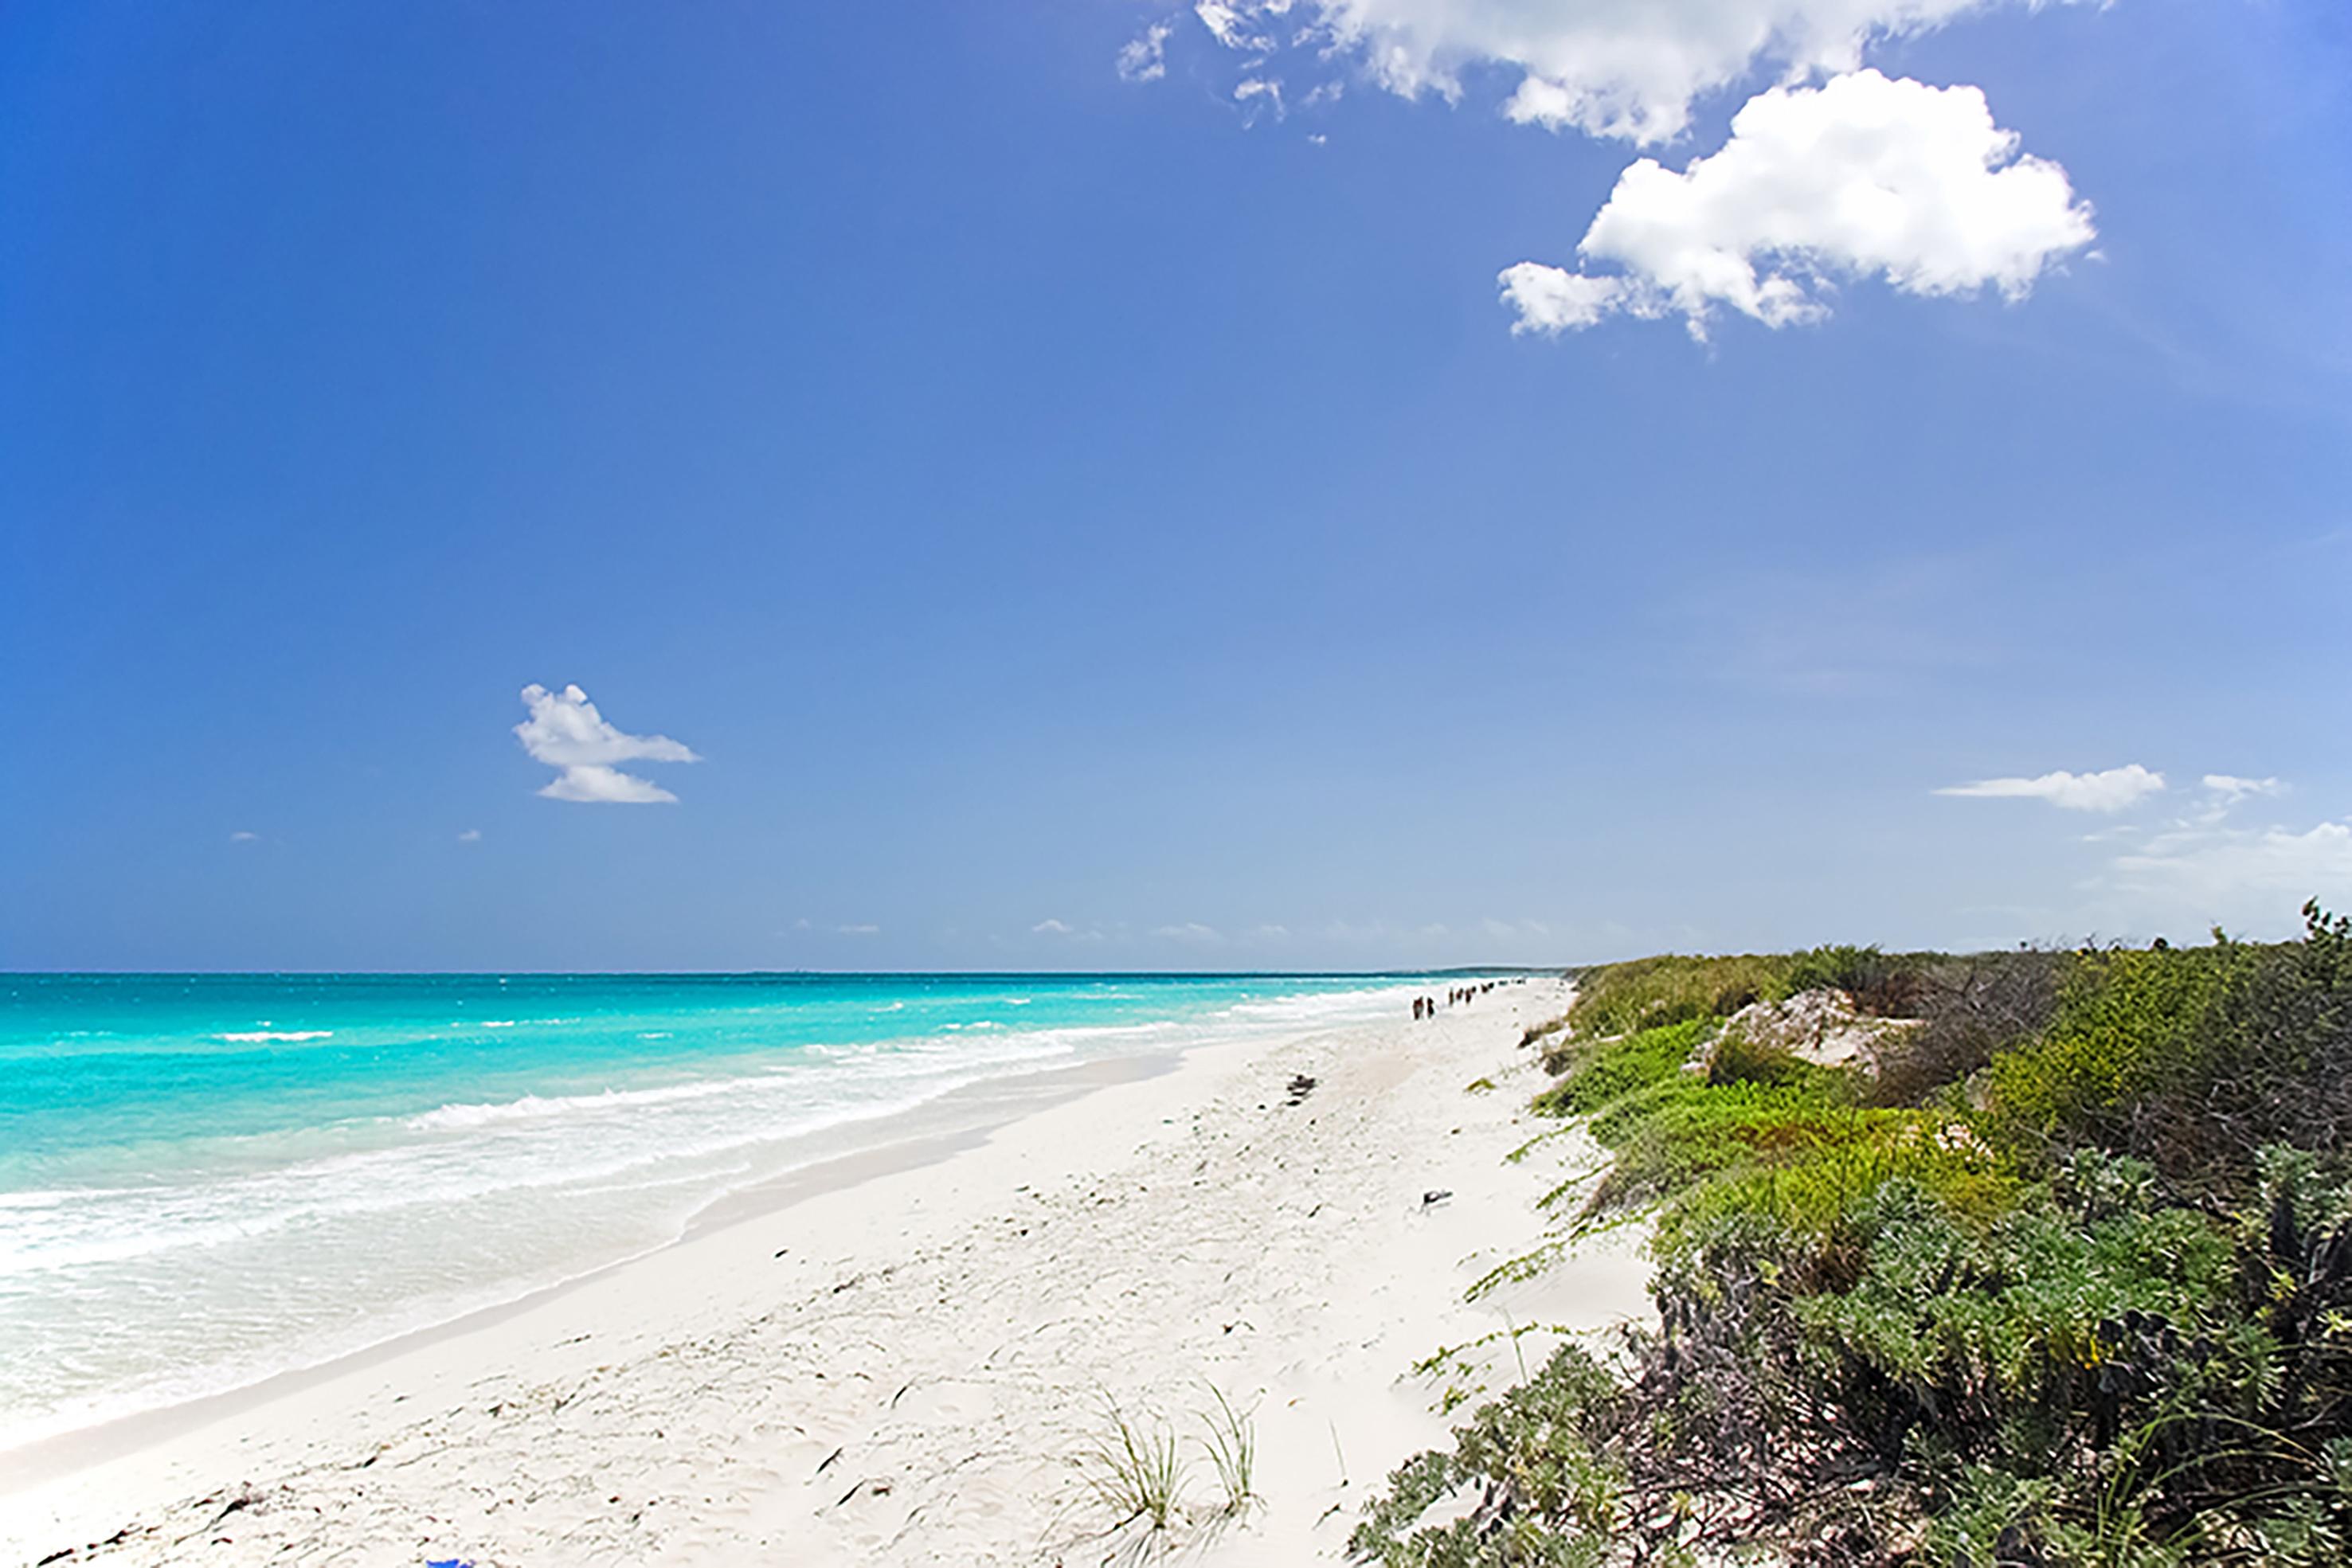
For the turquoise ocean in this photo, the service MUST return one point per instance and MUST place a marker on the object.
(206, 1179)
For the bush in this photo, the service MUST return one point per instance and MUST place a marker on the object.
(1736, 1059)
(2193, 1060)
(1548, 1494)
(1967, 1009)
(2105, 1320)
(1649, 993)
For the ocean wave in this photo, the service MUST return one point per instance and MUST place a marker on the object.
(262, 1036)
(532, 1107)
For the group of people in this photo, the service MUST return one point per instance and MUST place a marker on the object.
(1426, 1007)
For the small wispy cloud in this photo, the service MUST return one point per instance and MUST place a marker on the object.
(470, 836)
(2232, 788)
(2111, 790)
(2212, 872)
(242, 837)
(1145, 58)
(1252, 91)
(566, 732)
(1507, 930)
(859, 930)
(1062, 930)
(1229, 28)
(1192, 932)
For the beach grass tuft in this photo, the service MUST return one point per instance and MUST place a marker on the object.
(1232, 1448)
(1134, 1471)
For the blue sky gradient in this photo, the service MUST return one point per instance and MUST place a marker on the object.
(1045, 499)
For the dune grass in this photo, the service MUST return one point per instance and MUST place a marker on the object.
(1133, 1469)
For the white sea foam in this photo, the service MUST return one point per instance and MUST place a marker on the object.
(264, 1036)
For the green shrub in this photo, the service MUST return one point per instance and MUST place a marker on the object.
(2193, 1060)
(1548, 1493)
(2070, 1282)
(1737, 1058)
(1599, 1071)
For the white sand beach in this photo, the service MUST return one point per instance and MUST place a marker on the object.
(898, 1358)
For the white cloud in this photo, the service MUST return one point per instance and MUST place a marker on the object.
(243, 837)
(1192, 932)
(566, 732)
(1507, 930)
(470, 836)
(1865, 176)
(1235, 26)
(1250, 88)
(1064, 930)
(593, 784)
(2249, 875)
(1145, 58)
(1607, 68)
(2112, 790)
(2232, 788)
(859, 930)
(1552, 300)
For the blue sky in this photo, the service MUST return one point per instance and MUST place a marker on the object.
(1082, 517)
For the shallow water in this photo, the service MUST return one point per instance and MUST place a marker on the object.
(208, 1178)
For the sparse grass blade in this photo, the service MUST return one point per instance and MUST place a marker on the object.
(1232, 1448)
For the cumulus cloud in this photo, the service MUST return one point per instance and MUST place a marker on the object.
(1552, 299)
(242, 837)
(1051, 928)
(1625, 68)
(2112, 790)
(566, 732)
(1867, 176)
(470, 836)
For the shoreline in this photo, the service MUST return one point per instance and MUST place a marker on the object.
(922, 1135)
(714, 1387)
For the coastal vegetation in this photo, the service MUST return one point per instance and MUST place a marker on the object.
(2007, 1261)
